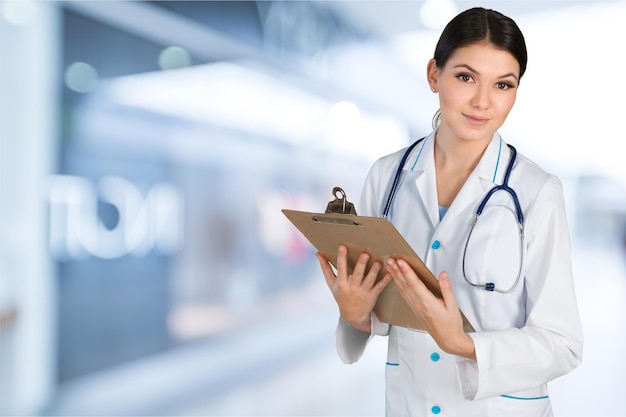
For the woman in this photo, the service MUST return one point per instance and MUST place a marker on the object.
(514, 285)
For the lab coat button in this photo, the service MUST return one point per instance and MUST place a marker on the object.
(436, 409)
(436, 245)
(434, 357)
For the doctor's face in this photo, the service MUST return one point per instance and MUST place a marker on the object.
(477, 88)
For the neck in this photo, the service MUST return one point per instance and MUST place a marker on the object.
(455, 159)
(457, 154)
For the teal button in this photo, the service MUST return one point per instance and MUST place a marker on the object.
(436, 245)
(436, 409)
(435, 357)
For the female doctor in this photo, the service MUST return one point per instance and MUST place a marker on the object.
(510, 273)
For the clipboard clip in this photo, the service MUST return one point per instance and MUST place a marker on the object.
(340, 205)
(349, 221)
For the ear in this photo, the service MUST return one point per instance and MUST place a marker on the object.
(432, 74)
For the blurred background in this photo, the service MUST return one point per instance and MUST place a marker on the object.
(147, 147)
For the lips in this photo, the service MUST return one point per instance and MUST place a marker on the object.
(476, 120)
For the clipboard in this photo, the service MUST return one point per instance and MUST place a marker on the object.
(381, 240)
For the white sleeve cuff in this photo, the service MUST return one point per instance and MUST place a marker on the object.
(351, 342)
(378, 327)
(467, 371)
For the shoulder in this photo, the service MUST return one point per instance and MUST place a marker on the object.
(391, 161)
(534, 182)
(530, 171)
(380, 179)
(530, 168)
(383, 170)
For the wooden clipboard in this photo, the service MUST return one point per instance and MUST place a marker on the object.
(378, 237)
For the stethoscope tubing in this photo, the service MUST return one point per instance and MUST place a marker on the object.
(396, 178)
(491, 286)
(503, 187)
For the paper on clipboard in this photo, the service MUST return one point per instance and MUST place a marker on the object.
(378, 237)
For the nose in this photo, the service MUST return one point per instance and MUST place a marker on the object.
(481, 99)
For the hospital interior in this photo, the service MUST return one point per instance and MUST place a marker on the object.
(148, 147)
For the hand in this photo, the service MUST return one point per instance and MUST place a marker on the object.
(355, 294)
(441, 315)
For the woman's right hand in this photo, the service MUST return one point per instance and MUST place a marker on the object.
(355, 294)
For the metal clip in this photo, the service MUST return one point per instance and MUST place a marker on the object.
(340, 204)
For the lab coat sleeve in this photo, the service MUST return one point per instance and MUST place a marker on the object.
(351, 342)
(550, 343)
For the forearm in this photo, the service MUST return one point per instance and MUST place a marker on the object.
(518, 359)
(462, 346)
(364, 326)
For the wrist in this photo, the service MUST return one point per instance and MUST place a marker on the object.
(364, 325)
(464, 347)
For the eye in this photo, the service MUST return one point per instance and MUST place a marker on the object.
(465, 77)
(504, 85)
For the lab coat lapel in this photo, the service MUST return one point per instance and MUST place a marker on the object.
(480, 180)
(421, 172)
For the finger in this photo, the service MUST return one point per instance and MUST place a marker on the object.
(359, 268)
(372, 274)
(396, 273)
(404, 276)
(380, 285)
(327, 270)
(342, 262)
(446, 291)
(410, 276)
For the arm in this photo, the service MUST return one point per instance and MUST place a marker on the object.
(550, 343)
(351, 339)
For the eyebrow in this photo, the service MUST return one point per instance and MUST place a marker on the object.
(510, 74)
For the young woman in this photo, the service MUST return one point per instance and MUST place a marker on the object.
(510, 272)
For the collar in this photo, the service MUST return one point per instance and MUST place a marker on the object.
(491, 166)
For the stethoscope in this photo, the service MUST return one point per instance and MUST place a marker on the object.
(489, 286)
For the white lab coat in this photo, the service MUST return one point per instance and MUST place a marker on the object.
(523, 339)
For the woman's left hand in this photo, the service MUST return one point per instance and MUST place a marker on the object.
(441, 315)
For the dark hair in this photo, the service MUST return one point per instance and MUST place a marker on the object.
(482, 25)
